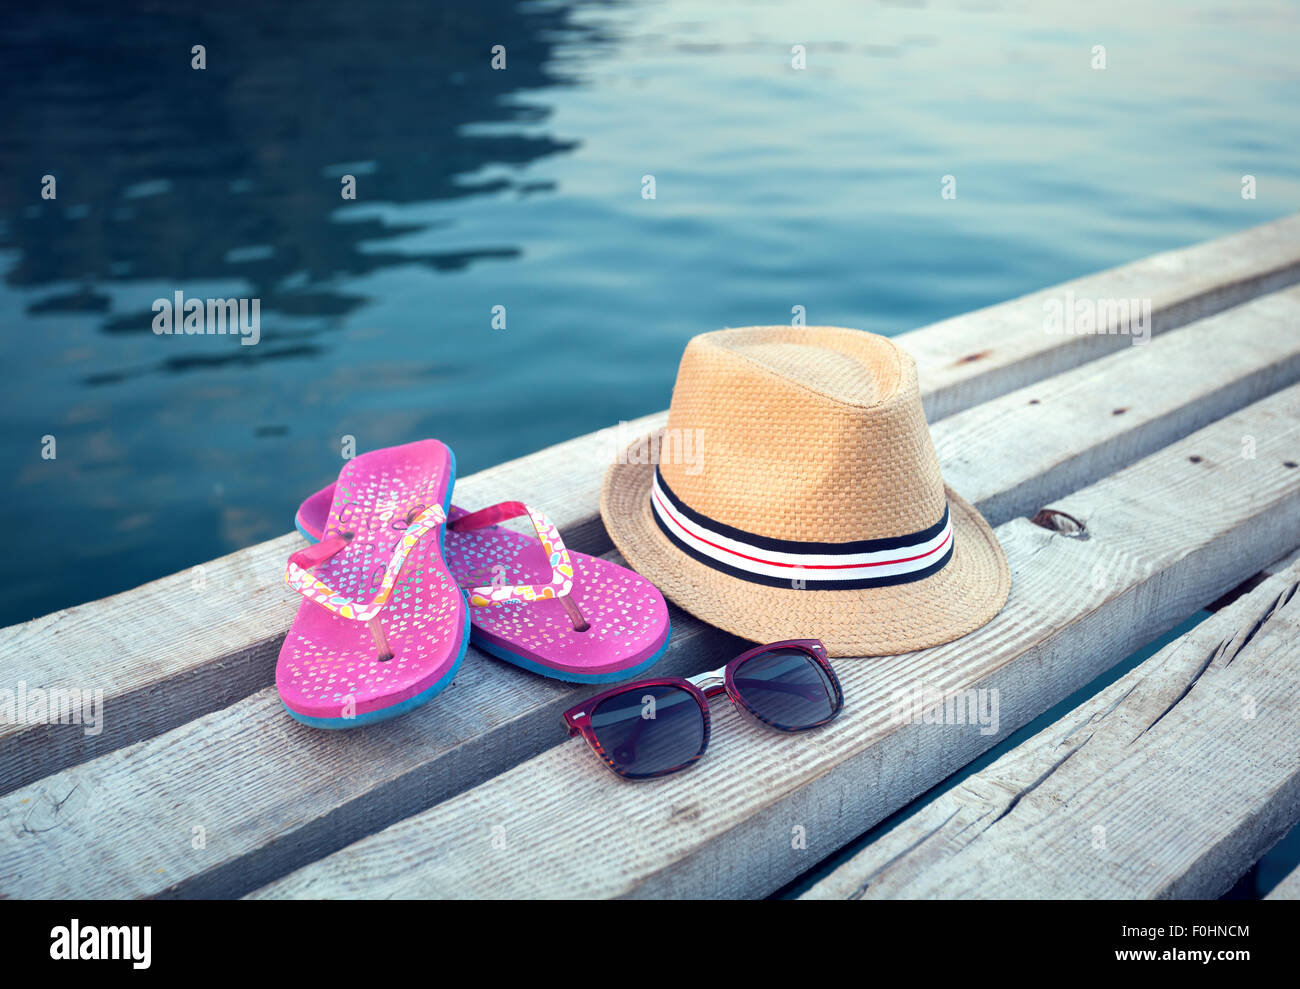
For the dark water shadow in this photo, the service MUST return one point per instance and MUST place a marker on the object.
(167, 173)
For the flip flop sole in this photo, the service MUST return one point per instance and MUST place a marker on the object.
(329, 674)
(630, 628)
(384, 713)
(624, 673)
(626, 614)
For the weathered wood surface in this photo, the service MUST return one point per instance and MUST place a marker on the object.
(1287, 889)
(1182, 285)
(197, 641)
(260, 774)
(185, 651)
(1166, 535)
(1061, 433)
(1171, 782)
(271, 794)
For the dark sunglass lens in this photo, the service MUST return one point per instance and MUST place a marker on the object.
(648, 730)
(786, 688)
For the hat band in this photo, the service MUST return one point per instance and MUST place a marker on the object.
(797, 564)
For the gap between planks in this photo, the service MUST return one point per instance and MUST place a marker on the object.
(250, 767)
(1287, 889)
(1170, 782)
(1165, 534)
(186, 652)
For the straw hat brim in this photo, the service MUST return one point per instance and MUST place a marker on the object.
(872, 621)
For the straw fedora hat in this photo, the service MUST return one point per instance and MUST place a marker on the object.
(795, 492)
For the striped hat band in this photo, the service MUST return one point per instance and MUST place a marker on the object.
(801, 565)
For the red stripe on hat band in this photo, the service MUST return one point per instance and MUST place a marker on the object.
(667, 513)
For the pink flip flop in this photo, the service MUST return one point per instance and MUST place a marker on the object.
(589, 621)
(385, 625)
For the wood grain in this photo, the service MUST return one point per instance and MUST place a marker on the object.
(1164, 536)
(1059, 434)
(269, 793)
(194, 642)
(1171, 782)
(174, 649)
(1010, 338)
(253, 762)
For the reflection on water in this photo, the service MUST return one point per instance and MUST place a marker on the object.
(521, 188)
(234, 172)
(226, 182)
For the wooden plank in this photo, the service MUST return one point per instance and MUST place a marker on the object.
(269, 793)
(499, 717)
(184, 651)
(1277, 566)
(1012, 337)
(1171, 782)
(1248, 585)
(1287, 889)
(1164, 536)
(195, 642)
(1108, 413)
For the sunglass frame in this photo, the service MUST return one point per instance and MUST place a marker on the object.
(578, 717)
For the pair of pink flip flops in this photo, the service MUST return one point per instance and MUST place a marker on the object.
(399, 581)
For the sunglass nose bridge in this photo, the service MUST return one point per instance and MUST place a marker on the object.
(711, 679)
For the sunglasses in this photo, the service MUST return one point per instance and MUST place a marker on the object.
(655, 727)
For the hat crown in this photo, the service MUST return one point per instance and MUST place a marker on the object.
(811, 434)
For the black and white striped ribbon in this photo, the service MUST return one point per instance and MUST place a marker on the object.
(803, 565)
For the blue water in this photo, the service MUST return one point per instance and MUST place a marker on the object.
(522, 188)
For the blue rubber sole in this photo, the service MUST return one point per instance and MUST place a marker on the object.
(411, 703)
(384, 713)
(492, 649)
